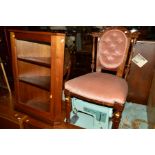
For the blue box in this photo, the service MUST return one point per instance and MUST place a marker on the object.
(90, 116)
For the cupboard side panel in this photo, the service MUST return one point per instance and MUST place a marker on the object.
(14, 65)
(57, 63)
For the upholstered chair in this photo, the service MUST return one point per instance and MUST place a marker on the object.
(106, 86)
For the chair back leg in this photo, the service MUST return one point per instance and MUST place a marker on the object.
(68, 105)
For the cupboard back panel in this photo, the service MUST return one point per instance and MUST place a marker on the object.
(32, 49)
(34, 97)
(28, 69)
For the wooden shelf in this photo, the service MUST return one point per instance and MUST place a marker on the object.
(39, 81)
(38, 104)
(43, 61)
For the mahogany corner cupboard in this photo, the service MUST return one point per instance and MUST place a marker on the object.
(37, 60)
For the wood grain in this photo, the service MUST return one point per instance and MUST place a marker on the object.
(139, 79)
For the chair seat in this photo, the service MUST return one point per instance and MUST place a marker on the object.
(101, 87)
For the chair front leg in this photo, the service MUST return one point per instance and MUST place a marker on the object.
(118, 109)
(68, 105)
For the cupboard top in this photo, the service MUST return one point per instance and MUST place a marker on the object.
(35, 35)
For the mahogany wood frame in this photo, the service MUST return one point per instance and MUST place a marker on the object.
(57, 43)
(122, 71)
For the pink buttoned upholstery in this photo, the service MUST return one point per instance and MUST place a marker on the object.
(99, 86)
(111, 49)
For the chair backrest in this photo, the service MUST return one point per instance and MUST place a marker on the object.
(112, 49)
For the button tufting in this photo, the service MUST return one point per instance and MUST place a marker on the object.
(119, 40)
(111, 49)
(110, 58)
(114, 34)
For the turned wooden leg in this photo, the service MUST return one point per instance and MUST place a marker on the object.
(68, 106)
(118, 109)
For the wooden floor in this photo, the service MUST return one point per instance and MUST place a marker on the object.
(12, 119)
